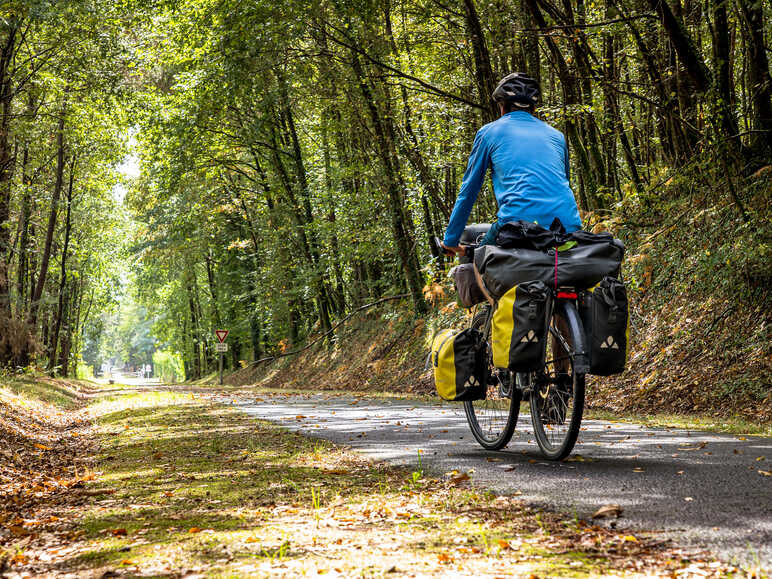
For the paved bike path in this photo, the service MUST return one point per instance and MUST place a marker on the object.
(700, 488)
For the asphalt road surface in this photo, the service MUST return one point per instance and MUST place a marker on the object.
(702, 489)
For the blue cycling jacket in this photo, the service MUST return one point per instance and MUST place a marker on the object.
(529, 168)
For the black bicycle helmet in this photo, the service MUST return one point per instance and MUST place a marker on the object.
(518, 88)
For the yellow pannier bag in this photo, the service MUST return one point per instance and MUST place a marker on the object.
(519, 327)
(460, 365)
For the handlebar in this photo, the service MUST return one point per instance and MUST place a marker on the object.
(439, 248)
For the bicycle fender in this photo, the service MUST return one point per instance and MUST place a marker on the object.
(581, 356)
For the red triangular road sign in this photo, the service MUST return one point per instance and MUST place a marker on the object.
(221, 335)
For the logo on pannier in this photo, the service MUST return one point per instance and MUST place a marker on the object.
(529, 337)
(610, 343)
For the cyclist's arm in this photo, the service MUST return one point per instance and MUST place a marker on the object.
(479, 159)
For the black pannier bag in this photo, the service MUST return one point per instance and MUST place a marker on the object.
(581, 266)
(467, 288)
(519, 327)
(526, 235)
(460, 364)
(606, 321)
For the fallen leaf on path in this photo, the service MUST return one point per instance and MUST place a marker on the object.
(630, 539)
(638, 469)
(444, 558)
(458, 478)
(578, 458)
(195, 530)
(42, 446)
(765, 473)
(118, 532)
(610, 510)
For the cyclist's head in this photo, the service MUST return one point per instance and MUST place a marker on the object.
(517, 91)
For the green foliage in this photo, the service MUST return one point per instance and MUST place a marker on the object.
(296, 158)
(168, 366)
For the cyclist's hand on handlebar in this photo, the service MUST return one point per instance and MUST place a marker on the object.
(457, 250)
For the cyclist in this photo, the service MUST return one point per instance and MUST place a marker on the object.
(529, 166)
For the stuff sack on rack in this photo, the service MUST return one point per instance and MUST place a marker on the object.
(460, 364)
(604, 312)
(519, 327)
(580, 266)
(467, 288)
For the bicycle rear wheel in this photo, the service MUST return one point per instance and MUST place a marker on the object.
(557, 390)
(493, 420)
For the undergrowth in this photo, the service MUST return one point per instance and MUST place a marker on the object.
(699, 273)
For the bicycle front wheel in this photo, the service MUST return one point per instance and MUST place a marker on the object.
(493, 420)
(557, 390)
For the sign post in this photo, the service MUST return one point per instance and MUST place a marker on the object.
(221, 347)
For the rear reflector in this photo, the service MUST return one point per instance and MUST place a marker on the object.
(567, 296)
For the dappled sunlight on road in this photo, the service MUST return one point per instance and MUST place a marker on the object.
(702, 488)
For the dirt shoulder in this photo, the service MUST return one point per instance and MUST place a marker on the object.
(183, 486)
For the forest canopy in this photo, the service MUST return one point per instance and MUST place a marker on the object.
(296, 158)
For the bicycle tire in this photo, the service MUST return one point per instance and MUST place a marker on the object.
(493, 420)
(555, 430)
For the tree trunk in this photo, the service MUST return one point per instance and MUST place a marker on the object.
(62, 273)
(212, 289)
(570, 97)
(759, 82)
(24, 238)
(306, 214)
(486, 83)
(402, 234)
(8, 47)
(46, 257)
(194, 334)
